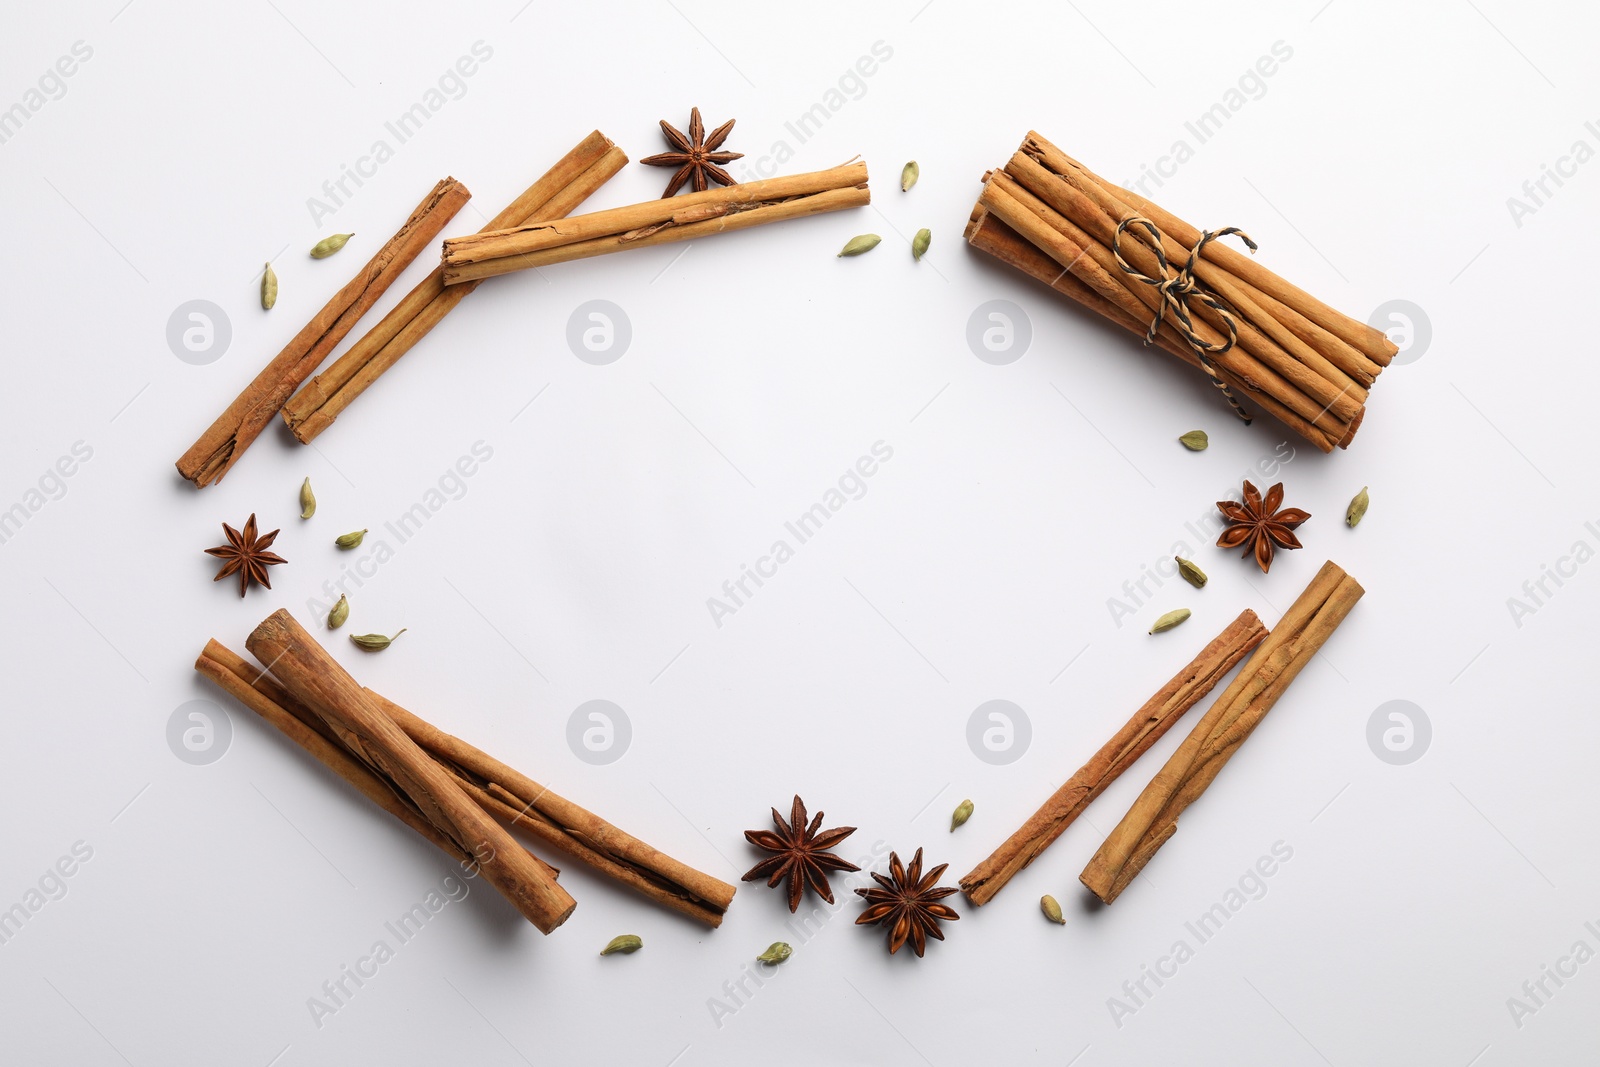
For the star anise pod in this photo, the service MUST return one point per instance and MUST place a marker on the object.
(800, 854)
(247, 555)
(696, 156)
(1259, 526)
(909, 903)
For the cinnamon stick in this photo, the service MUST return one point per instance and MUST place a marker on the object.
(682, 218)
(521, 802)
(1144, 729)
(573, 179)
(221, 445)
(257, 690)
(1153, 819)
(317, 680)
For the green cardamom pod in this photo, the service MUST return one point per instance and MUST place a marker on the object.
(962, 813)
(340, 612)
(269, 288)
(865, 242)
(909, 175)
(1358, 508)
(1169, 620)
(1052, 909)
(308, 500)
(776, 953)
(374, 642)
(622, 943)
(919, 243)
(1191, 573)
(1195, 440)
(329, 245)
(350, 540)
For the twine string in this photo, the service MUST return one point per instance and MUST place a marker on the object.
(1177, 287)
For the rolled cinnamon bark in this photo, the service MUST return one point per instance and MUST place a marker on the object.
(256, 690)
(519, 801)
(1145, 728)
(317, 680)
(219, 448)
(1153, 819)
(574, 178)
(681, 218)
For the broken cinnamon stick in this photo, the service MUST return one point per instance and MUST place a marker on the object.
(219, 448)
(317, 680)
(1144, 729)
(519, 801)
(1153, 819)
(257, 690)
(682, 218)
(573, 179)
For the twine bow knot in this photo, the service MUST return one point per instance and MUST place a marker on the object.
(1177, 288)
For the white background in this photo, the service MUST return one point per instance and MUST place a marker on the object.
(978, 565)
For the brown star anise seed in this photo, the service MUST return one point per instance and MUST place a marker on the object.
(908, 902)
(1259, 526)
(247, 555)
(800, 854)
(696, 157)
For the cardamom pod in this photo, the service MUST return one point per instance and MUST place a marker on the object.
(909, 175)
(776, 953)
(1357, 508)
(1191, 573)
(919, 243)
(1169, 620)
(329, 245)
(269, 288)
(865, 242)
(962, 813)
(340, 612)
(622, 943)
(308, 500)
(374, 642)
(350, 540)
(1052, 909)
(1195, 440)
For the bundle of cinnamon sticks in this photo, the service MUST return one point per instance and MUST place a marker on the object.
(1271, 346)
(443, 788)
